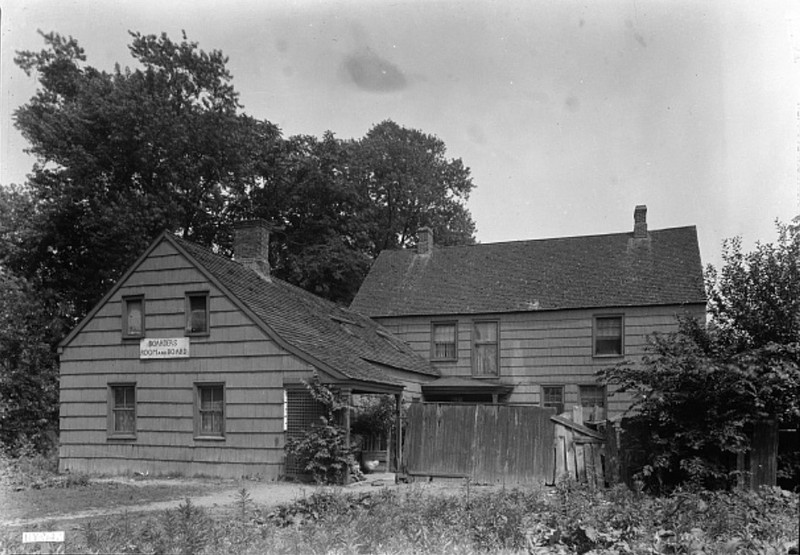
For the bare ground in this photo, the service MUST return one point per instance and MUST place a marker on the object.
(66, 506)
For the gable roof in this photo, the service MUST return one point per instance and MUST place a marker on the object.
(613, 270)
(336, 340)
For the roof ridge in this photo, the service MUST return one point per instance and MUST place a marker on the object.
(541, 239)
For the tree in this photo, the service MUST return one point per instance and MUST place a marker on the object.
(340, 203)
(122, 156)
(411, 184)
(30, 328)
(754, 299)
(699, 391)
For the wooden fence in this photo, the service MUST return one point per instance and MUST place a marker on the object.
(485, 443)
(505, 444)
(580, 452)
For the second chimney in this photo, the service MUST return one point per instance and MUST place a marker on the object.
(640, 222)
(425, 240)
(251, 245)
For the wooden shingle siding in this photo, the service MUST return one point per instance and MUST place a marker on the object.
(546, 347)
(236, 352)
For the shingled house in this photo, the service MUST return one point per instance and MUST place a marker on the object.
(532, 321)
(193, 364)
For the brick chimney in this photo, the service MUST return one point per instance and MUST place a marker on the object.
(640, 222)
(425, 240)
(251, 245)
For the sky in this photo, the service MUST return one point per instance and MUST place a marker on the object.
(567, 113)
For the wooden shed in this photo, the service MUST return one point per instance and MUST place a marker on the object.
(192, 364)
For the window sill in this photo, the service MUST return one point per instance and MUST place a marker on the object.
(209, 438)
(121, 437)
(621, 355)
(130, 338)
(486, 377)
(444, 360)
(204, 334)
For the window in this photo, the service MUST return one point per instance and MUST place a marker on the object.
(484, 349)
(133, 316)
(553, 396)
(210, 411)
(608, 336)
(122, 410)
(593, 400)
(443, 341)
(197, 314)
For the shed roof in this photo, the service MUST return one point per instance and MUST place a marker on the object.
(612, 270)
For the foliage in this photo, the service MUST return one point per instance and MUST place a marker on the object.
(323, 449)
(123, 155)
(692, 405)
(33, 467)
(754, 299)
(567, 519)
(412, 184)
(699, 391)
(374, 415)
(339, 203)
(30, 328)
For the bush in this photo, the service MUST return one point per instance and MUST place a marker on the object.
(323, 449)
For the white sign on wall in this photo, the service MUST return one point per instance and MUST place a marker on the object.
(164, 347)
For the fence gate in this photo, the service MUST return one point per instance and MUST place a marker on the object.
(485, 443)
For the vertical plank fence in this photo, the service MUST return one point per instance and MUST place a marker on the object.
(503, 444)
(485, 443)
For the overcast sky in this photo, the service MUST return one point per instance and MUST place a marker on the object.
(568, 113)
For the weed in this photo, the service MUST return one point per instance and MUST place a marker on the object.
(569, 518)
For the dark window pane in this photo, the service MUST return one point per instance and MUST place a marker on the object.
(608, 336)
(198, 314)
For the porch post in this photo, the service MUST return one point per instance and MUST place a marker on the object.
(398, 426)
(348, 399)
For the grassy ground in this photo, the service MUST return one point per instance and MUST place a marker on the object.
(562, 520)
(31, 489)
(412, 519)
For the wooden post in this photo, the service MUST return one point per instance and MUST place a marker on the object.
(348, 399)
(398, 425)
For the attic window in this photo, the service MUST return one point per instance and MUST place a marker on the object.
(133, 317)
(197, 313)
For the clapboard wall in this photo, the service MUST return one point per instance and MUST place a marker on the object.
(539, 348)
(236, 353)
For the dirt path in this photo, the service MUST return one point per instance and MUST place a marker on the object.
(269, 494)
